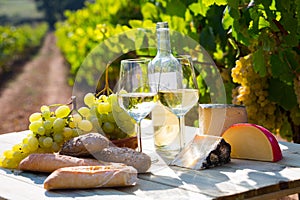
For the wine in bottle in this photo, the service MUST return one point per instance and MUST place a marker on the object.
(164, 71)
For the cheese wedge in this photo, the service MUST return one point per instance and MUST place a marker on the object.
(205, 151)
(214, 119)
(251, 141)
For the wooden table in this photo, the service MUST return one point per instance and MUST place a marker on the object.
(240, 179)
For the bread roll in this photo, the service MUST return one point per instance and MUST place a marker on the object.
(130, 157)
(47, 162)
(81, 177)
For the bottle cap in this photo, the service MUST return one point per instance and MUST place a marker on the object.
(162, 25)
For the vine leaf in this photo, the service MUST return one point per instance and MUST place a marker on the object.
(259, 65)
(198, 8)
(279, 69)
(149, 11)
(176, 7)
(282, 93)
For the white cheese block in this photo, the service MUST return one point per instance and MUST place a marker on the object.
(214, 119)
(204, 151)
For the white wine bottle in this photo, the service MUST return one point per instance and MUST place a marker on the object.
(163, 71)
(164, 67)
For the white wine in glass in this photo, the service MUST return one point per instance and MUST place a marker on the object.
(183, 97)
(135, 94)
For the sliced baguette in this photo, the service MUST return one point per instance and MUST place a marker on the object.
(82, 177)
(46, 162)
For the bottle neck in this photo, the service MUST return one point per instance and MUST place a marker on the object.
(163, 41)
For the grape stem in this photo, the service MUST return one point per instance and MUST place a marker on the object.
(74, 106)
(106, 86)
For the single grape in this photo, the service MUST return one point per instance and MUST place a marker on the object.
(84, 111)
(76, 119)
(41, 141)
(45, 108)
(108, 127)
(46, 114)
(47, 142)
(25, 148)
(103, 117)
(62, 111)
(8, 153)
(102, 98)
(89, 99)
(47, 124)
(72, 124)
(104, 107)
(110, 118)
(85, 125)
(96, 122)
(41, 130)
(35, 125)
(52, 119)
(94, 110)
(35, 117)
(76, 132)
(58, 125)
(67, 132)
(55, 147)
(25, 140)
(33, 143)
(18, 156)
(17, 147)
(58, 137)
(10, 163)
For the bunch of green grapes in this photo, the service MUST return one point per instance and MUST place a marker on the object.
(253, 94)
(48, 131)
(108, 117)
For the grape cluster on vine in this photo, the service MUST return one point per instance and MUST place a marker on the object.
(253, 94)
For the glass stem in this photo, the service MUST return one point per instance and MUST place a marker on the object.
(139, 136)
(181, 132)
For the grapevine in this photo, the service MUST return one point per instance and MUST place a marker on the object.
(253, 94)
(17, 42)
(228, 30)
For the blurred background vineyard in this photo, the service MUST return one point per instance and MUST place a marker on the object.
(254, 44)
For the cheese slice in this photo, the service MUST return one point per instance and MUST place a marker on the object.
(205, 151)
(254, 142)
(214, 119)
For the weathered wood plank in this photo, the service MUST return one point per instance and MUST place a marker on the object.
(239, 179)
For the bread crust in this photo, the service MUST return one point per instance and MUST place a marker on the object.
(128, 156)
(81, 177)
(47, 162)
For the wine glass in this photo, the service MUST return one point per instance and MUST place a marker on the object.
(135, 93)
(182, 96)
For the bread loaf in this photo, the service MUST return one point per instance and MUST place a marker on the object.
(81, 177)
(84, 145)
(50, 162)
(130, 157)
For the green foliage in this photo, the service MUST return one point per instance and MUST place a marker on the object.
(227, 29)
(17, 42)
